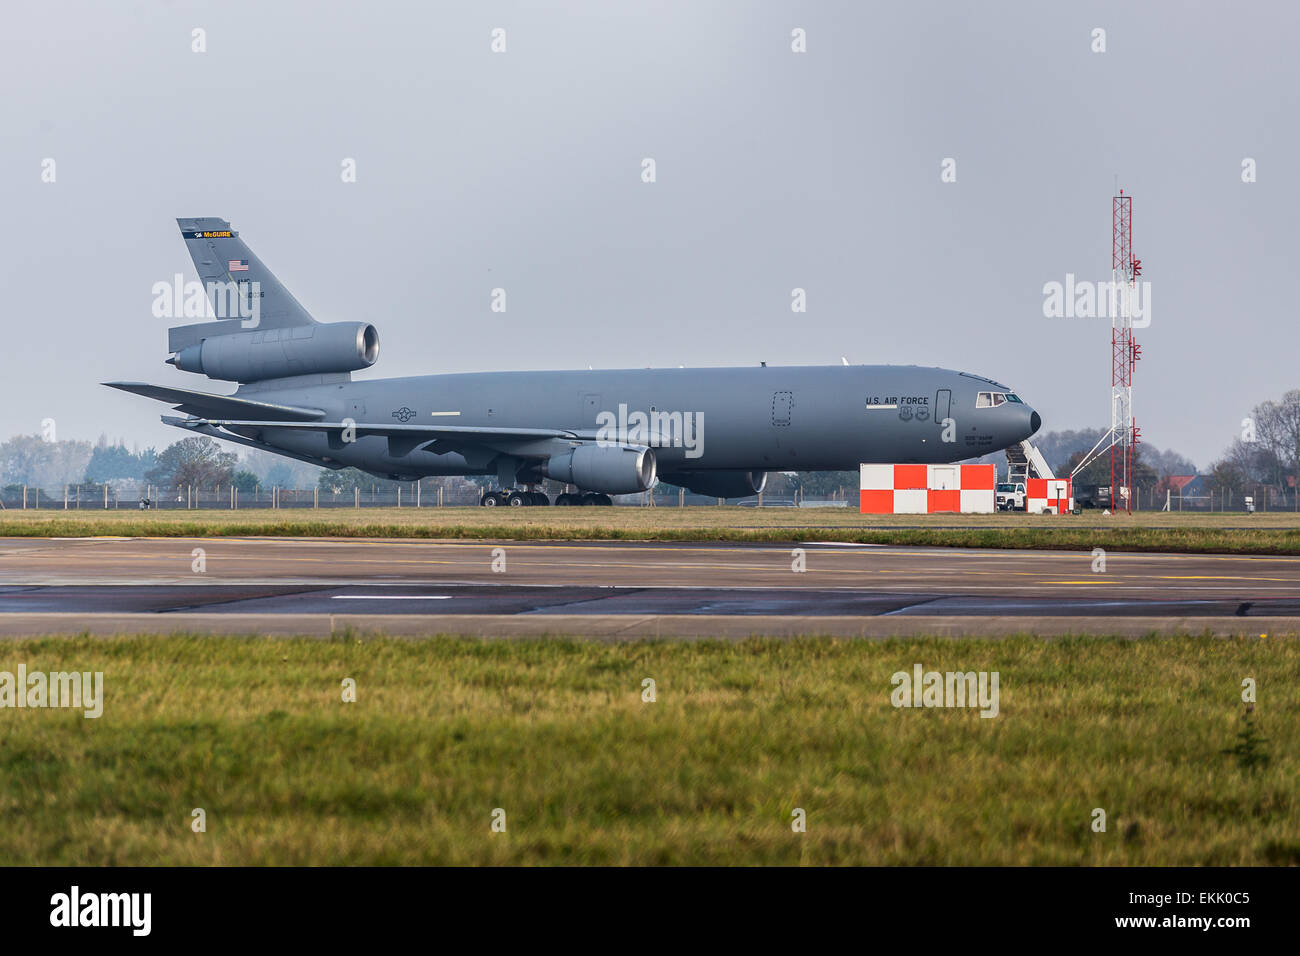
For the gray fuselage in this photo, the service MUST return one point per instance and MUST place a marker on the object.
(804, 418)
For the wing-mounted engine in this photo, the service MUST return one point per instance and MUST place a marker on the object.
(720, 484)
(608, 469)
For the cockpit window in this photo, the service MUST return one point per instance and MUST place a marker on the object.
(1013, 397)
(993, 399)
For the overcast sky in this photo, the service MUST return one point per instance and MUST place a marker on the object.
(775, 170)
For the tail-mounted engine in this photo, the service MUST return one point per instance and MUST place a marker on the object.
(258, 354)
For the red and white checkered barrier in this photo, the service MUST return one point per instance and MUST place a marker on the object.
(1052, 495)
(927, 489)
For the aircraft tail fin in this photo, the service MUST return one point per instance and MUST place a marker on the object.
(225, 264)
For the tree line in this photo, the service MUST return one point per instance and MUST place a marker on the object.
(198, 461)
(1265, 454)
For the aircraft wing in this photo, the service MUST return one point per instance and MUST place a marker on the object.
(190, 425)
(402, 439)
(205, 404)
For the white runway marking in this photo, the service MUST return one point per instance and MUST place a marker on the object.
(844, 544)
(392, 597)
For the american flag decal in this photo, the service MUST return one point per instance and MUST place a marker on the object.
(238, 265)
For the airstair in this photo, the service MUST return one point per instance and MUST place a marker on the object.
(1025, 461)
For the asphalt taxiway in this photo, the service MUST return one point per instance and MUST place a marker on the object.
(313, 585)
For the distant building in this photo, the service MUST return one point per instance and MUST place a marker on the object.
(1177, 485)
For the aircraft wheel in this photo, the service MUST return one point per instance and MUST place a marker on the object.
(489, 500)
(517, 499)
(605, 500)
(539, 498)
(589, 499)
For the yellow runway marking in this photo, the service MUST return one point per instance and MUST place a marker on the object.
(1213, 577)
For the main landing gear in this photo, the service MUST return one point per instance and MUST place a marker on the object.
(521, 497)
(514, 499)
(584, 499)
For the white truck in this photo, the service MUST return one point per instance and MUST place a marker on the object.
(1010, 496)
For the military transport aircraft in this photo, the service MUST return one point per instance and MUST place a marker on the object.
(716, 431)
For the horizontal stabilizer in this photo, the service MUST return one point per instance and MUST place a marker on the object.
(206, 406)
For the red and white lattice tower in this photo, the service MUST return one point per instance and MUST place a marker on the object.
(1125, 272)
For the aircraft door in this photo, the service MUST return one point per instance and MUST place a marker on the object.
(782, 407)
(942, 405)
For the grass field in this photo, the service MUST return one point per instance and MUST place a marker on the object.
(555, 733)
(1271, 533)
